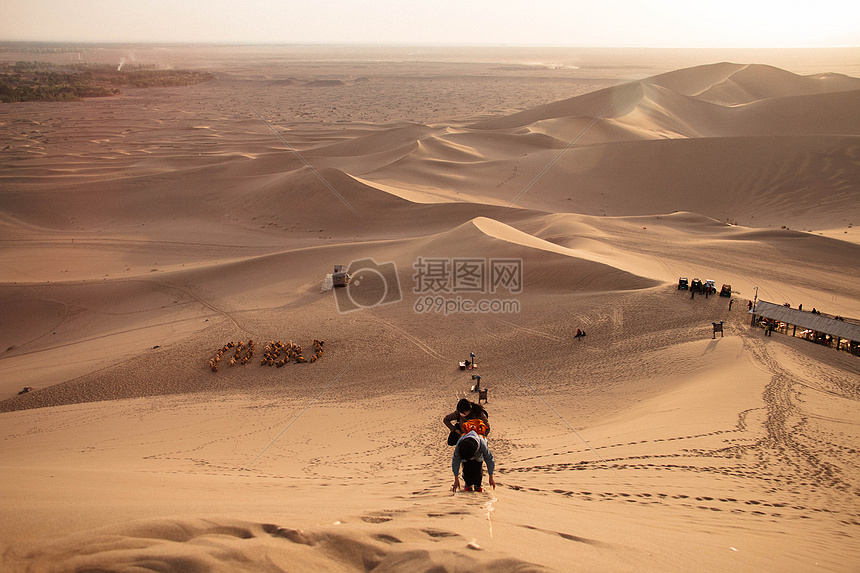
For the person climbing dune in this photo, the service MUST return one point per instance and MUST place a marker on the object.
(471, 452)
(465, 411)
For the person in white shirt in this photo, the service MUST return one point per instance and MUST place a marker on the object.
(472, 452)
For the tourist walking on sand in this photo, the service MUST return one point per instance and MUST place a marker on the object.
(731, 300)
(771, 325)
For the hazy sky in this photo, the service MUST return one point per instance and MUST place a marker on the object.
(651, 23)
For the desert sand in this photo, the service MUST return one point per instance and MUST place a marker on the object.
(143, 232)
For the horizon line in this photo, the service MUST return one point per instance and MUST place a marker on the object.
(413, 45)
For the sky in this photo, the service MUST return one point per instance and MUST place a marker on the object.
(629, 23)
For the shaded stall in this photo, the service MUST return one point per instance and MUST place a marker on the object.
(838, 332)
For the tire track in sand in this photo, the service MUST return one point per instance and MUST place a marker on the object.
(413, 339)
(198, 298)
(529, 330)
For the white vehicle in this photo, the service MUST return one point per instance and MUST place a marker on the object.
(340, 277)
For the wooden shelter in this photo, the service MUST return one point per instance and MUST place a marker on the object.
(815, 327)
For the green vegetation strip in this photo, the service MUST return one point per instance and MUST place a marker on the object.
(42, 81)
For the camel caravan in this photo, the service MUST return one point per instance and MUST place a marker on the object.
(276, 353)
(242, 355)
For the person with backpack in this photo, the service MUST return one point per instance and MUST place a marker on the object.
(472, 452)
(465, 412)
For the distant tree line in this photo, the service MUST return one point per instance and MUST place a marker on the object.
(42, 81)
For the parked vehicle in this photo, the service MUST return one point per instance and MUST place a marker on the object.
(683, 284)
(710, 286)
(340, 277)
(696, 285)
(726, 291)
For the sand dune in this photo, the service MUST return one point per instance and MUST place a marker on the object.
(140, 234)
(547, 267)
(688, 104)
(757, 82)
(238, 546)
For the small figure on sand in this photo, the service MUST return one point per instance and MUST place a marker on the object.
(471, 452)
(465, 411)
(579, 334)
(477, 386)
(469, 363)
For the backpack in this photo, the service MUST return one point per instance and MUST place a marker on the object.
(474, 424)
